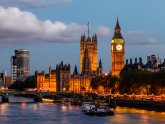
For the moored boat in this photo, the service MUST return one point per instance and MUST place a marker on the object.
(91, 109)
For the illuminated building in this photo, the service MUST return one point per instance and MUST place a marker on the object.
(63, 76)
(46, 82)
(20, 68)
(56, 80)
(117, 51)
(88, 55)
(79, 83)
(100, 68)
(5, 80)
(153, 64)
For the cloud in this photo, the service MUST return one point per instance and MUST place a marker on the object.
(103, 31)
(140, 38)
(34, 3)
(18, 26)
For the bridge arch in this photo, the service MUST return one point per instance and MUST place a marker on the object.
(3, 95)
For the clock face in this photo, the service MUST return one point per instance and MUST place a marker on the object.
(119, 47)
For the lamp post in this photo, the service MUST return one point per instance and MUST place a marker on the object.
(162, 97)
(125, 95)
(64, 89)
(117, 95)
(90, 90)
(83, 91)
(133, 96)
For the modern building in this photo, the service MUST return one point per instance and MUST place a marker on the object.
(117, 51)
(20, 65)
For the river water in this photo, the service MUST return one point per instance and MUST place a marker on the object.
(49, 113)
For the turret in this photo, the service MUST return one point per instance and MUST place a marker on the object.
(100, 68)
(126, 61)
(100, 64)
(117, 33)
(135, 60)
(75, 71)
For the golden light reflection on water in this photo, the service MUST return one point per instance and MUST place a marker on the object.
(64, 108)
(142, 116)
(3, 108)
(23, 104)
(35, 107)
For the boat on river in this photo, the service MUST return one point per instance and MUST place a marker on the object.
(100, 110)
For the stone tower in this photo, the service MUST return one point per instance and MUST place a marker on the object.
(63, 76)
(117, 51)
(89, 45)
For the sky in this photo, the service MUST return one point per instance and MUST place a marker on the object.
(51, 29)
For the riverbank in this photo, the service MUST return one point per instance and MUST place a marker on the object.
(142, 104)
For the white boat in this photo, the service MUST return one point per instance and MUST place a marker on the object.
(92, 109)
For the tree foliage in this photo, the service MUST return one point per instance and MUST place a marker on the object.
(30, 82)
(107, 81)
(141, 82)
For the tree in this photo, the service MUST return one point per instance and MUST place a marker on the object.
(30, 82)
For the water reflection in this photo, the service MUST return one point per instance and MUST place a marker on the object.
(141, 116)
(48, 113)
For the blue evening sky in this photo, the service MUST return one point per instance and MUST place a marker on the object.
(142, 23)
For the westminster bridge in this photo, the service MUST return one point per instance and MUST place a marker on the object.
(36, 95)
(137, 101)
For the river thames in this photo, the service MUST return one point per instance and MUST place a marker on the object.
(21, 112)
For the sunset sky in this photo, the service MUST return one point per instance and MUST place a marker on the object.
(51, 29)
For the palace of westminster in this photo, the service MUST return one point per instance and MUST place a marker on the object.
(61, 78)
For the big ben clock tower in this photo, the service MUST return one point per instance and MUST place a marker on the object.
(117, 51)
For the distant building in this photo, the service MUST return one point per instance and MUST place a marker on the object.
(5, 80)
(20, 65)
(136, 65)
(153, 64)
(46, 82)
(162, 65)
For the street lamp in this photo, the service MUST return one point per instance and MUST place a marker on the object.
(64, 89)
(163, 97)
(125, 96)
(133, 96)
(90, 90)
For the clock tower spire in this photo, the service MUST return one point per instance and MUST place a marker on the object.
(117, 51)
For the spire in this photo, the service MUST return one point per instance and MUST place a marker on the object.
(117, 24)
(100, 64)
(75, 70)
(117, 32)
(86, 63)
(88, 28)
